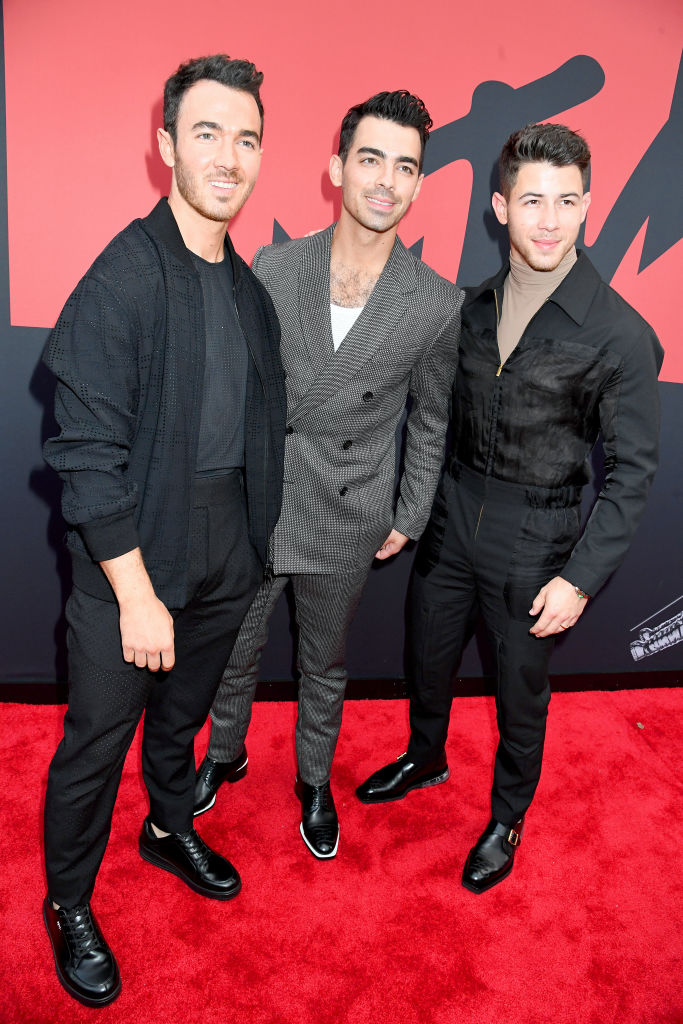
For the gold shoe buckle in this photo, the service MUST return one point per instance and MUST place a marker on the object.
(513, 838)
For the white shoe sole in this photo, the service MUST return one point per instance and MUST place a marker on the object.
(195, 814)
(241, 768)
(320, 856)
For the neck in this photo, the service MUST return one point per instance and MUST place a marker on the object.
(523, 276)
(355, 245)
(203, 237)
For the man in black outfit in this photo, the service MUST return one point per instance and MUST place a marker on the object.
(170, 401)
(550, 357)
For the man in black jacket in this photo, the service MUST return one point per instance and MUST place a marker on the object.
(550, 357)
(170, 400)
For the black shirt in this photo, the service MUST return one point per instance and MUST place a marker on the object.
(586, 364)
(221, 434)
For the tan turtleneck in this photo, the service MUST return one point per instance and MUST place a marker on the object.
(525, 292)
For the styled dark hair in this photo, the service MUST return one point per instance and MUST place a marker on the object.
(237, 74)
(400, 106)
(538, 143)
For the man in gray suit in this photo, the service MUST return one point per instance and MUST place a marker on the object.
(364, 326)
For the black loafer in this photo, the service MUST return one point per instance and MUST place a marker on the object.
(491, 858)
(210, 777)
(186, 855)
(319, 822)
(86, 966)
(398, 778)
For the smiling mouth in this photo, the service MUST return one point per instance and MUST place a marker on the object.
(385, 204)
(226, 185)
(544, 245)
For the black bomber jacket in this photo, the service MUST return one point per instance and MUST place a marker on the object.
(586, 364)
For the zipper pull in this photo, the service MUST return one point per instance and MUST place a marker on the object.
(498, 370)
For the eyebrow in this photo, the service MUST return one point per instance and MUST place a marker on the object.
(380, 153)
(216, 127)
(540, 195)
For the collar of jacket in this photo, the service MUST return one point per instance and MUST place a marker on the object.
(162, 227)
(574, 295)
(399, 267)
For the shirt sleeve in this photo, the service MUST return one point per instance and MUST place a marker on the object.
(629, 413)
(430, 388)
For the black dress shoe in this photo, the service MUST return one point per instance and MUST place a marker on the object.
(186, 855)
(85, 964)
(319, 822)
(212, 774)
(398, 778)
(490, 860)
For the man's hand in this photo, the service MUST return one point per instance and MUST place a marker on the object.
(392, 545)
(147, 634)
(561, 607)
(145, 622)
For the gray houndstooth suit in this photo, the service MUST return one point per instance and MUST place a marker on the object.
(340, 457)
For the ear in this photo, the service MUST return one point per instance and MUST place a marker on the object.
(166, 147)
(336, 168)
(500, 207)
(586, 201)
(417, 188)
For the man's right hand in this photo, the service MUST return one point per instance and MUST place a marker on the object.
(147, 634)
(145, 622)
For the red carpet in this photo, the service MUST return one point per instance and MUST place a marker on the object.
(586, 930)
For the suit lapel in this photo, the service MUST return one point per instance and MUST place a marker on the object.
(383, 311)
(314, 299)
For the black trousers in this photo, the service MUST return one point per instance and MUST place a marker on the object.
(488, 549)
(107, 696)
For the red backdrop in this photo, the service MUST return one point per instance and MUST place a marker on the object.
(83, 85)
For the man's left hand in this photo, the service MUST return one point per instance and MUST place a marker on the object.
(561, 607)
(392, 545)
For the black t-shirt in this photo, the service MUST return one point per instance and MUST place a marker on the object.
(221, 434)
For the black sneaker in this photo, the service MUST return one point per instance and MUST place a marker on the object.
(186, 855)
(86, 966)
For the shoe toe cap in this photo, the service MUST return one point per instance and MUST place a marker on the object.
(221, 872)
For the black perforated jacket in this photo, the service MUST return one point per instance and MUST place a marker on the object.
(128, 354)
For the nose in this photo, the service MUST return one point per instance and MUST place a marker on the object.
(385, 178)
(226, 154)
(548, 216)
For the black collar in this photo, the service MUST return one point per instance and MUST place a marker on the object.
(574, 294)
(162, 227)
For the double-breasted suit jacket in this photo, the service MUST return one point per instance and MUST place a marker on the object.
(344, 407)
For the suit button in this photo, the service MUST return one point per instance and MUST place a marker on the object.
(368, 396)
(344, 491)
(290, 430)
(347, 445)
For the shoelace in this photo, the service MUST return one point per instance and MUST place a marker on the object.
(209, 772)
(79, 928)
(212, 768)
(195, 848)
(321, 799)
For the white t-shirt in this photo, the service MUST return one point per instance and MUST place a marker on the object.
(343, 319)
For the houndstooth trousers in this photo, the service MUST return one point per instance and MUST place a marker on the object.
(325, 605)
